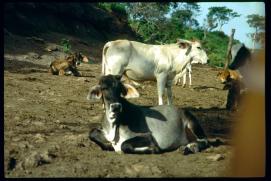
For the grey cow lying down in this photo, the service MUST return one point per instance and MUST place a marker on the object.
(131, 128)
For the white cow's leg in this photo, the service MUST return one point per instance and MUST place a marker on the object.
(190, 75)
(177, 79)
(161, 83)
(190, 78)
(169, 92)
(184, 79)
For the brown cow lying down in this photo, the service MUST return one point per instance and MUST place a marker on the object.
(68, 65)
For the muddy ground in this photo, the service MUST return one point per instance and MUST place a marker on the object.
(47, 119)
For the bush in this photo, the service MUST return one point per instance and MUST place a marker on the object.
(113, 7)
(193, 34)
(118, 8)
(66, 46)
(104, 6)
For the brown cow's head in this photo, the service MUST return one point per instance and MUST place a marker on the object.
(76, 59)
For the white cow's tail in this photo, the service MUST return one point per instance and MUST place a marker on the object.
(106, 46)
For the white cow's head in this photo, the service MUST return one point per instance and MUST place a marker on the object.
(194, 50)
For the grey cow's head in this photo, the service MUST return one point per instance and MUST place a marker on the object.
(194, 50)
(111, 90)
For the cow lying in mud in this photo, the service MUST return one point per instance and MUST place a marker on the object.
(68, 65)
(144, 62)
(130, 128)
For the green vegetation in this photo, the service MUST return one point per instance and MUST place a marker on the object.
(66, 46)
(163, 23)
(257, 22)
(220, 16)
(114, 7)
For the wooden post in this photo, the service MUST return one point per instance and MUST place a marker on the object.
(228, 56)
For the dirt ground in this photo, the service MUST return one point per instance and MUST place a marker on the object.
(47, 119)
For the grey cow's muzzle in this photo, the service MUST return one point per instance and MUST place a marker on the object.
(116, 107)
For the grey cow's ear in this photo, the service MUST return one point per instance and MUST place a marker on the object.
(131, 92)
(95, 93)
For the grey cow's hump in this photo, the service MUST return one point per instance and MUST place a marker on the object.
(166, 124)
(162, 112)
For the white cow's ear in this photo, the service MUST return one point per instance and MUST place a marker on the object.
(183, 41)
(95, 93)
(131, 92)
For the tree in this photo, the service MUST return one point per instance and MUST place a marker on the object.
(257, 22)
(220, 16)
(184, 18)
(148, 19)
(148, 11)
(185, 15)
(192, 9)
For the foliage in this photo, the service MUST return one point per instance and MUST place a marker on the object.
(220, 16)
(149, 20)
(164, 23)
(118, 8)
(65, 44)
(114, 7)
(193, 34)
(191, 10)
(216, 45)
(257, 22)
(148, 11)
(184, 18)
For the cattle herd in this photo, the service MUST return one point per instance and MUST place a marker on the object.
(131, 128)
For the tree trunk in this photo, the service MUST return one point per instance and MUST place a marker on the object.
(228, 56)
(254, 39)
(220, 27)
(205, 34)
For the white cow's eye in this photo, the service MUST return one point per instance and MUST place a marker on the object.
(199, 48)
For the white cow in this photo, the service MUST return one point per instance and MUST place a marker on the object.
(142, 62)
(189, 71)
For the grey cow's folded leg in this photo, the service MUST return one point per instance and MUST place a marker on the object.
(202, 142)
(96, 135)
(140, 145)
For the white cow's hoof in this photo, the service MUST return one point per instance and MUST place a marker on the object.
(119, 152)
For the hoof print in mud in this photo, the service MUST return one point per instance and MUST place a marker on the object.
(216, 157)
(37, 159)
